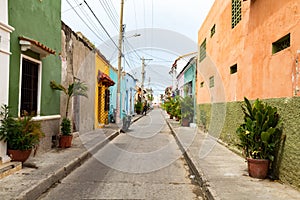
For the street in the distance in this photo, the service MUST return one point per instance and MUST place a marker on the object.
(143, 163)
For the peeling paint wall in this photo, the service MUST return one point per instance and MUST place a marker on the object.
(78, 64)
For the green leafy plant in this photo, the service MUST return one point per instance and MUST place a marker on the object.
(177, 107)
(169, 105)
(187, 108)
(138, 107)
(20, 134)
(260, 133)
(65, 126)
(77, 88)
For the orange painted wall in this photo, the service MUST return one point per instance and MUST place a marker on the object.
(260, 74)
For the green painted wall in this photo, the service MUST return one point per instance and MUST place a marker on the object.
(288, 168)
(41, 21)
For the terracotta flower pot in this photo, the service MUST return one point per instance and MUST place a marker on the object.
(185, 122)
(65, 141)
(258, 168)
(19, 155)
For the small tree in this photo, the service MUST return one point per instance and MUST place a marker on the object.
(77, 88)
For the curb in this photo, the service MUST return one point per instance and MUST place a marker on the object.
(208, 192)
(37, 190)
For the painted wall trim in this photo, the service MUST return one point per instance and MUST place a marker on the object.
(6, 27)
(5, 52)
(39, 83)
(44, 118)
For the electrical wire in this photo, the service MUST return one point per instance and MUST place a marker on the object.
(84, 12)
(85, 22)
(109, 14)
(102, 25)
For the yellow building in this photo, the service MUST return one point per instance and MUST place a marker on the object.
(102, 93)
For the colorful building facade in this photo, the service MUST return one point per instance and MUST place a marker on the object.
(130, 84)
(113, 74)
(251, 49)
(35, 45)
(102, 92)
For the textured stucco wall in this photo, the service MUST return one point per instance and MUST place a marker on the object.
(288, 108)
(101, 116)
(249, 45)
(41, 21)
(113, 74)
(79, 63)
(260, 73)
(130, 92)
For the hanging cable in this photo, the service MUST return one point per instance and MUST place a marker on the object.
(102, 25)
(85, 22)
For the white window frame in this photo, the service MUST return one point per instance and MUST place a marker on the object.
(39, 83)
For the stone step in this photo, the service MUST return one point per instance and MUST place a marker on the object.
(9, 168)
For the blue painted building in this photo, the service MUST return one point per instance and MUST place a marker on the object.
(130, 83)
(113, 74)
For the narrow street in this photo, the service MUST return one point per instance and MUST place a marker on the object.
(143, 163)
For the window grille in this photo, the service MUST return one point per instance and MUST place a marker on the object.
(202, 50)
(107, 95)
(29, 87)
(236, 12)
(99, 103)
(211, 81)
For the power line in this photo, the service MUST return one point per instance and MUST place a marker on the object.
(84, 12)
(109, 13)
(101, 25)
(85, 22)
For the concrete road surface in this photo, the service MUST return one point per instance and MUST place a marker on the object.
(143, 163)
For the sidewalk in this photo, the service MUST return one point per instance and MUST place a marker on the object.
(42, 171)
(223, 174)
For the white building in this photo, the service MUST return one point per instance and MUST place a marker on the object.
(5, 53)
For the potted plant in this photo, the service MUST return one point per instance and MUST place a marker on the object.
(77, 88)
(259, 136)
(176, 110)
(138, 107)
(21, 134)
(187, 110)
(169, 107)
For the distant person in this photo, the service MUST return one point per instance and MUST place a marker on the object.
(145, 107)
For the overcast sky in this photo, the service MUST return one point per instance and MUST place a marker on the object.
(168, 29)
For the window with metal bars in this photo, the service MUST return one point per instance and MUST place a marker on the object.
(236, 12)
(29, 87)
(107, 99)
(211, 81)
(99, 103)
(202, 50)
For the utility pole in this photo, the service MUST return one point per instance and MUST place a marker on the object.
(118, 103)
(143, 76)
